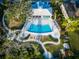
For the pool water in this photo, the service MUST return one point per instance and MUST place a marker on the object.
(39, 28)
(42, 4)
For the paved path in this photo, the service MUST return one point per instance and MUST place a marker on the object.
(50, 42)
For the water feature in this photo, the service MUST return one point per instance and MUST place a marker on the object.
(39, 28)
(47, 55)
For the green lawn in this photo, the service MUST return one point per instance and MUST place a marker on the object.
(74, 40)
(74, 43)
(53, 48)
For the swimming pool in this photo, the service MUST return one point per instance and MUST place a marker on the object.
(41, 4)
(39, 28)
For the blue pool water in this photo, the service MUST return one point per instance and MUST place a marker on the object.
(39, 28)
(42, 4)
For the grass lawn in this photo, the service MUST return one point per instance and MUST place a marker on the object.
(53, 48)
(74, 40)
